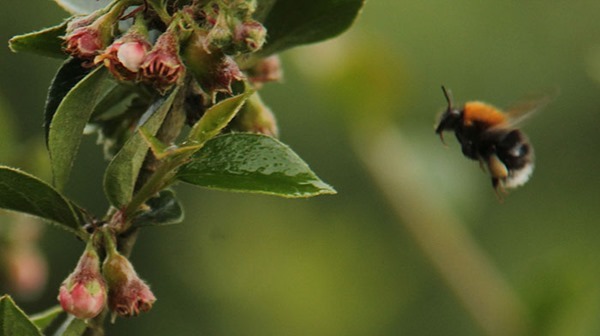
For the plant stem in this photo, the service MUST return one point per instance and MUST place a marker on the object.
(153, 177)
(398, 171)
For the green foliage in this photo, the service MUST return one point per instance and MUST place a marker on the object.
(252, 163)
(25, 193)
(216, 118)
(45, 42)
(123, 170)
(13, 320)
(72, 114)
(67, 76)
(291, 23)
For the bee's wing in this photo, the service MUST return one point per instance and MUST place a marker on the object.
(528, 105)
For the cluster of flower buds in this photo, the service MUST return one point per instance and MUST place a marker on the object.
(231, 28)
(130, 57)
(214, 71)
(208, 41)
(84, 292)
(223, 29)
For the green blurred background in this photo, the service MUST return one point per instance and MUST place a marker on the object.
(349, 264)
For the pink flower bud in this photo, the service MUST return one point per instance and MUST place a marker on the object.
(128, 295)
(84, 42)
(83, 293)
(256, 117)
(225, 73)
(213, 70)
(124, 57)
(266, 70)
(249, 36)
(162, 67)
(87, 36)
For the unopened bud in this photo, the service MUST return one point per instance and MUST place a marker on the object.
(124, 57)
(249, 36)
(87, 36)
(214, 71)
(128, 295)
(162, 66)
(84, 42)
(256, 117)
(83, 293)
(266, 70)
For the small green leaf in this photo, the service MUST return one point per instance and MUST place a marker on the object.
(159, 149)
(291, 23)
(45, 42)
(67, 76)
(44, 319)
(82, 6)
(25, 193)
(66, 128)
(121, 173)
(164, 210)
(13, 320)
(216, 118)
(252, 163)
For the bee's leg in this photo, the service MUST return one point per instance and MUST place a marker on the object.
(498, 189)
(499, 174)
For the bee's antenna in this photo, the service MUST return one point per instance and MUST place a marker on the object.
(448, 95)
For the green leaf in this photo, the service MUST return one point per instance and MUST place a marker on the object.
(66, 128)
(159, 149)
(25, 193)
(45, 42)
(164, 210)
(216, 118)
(67, 76)
(252, 163)
(13, 320)
(72, 327)
(122, 172)
(44, 319)
(291, 23)
(82, 6)
(115, 102)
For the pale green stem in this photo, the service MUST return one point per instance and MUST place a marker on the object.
(398, 171)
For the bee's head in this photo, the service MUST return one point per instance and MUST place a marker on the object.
(450, 118)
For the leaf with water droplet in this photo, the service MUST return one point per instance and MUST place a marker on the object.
(216, 118)
(252, 163)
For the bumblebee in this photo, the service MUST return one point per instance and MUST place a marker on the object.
(491, 136)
